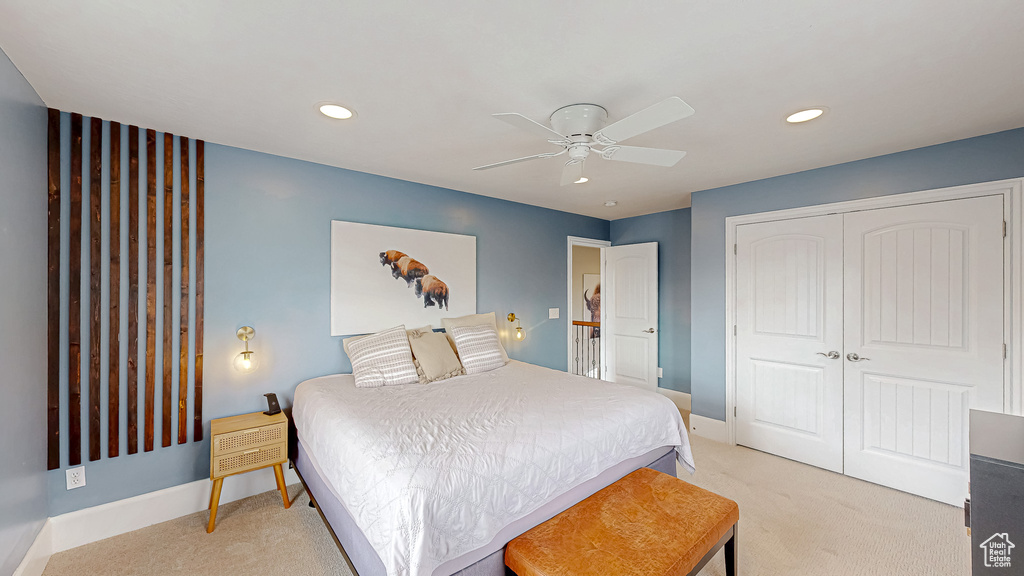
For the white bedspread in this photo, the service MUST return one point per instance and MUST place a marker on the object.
(430, 472)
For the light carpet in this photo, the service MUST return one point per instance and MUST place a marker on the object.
(794, 520)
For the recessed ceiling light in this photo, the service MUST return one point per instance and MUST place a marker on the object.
(582, 180)
(611, 203)
(336, 111)
(805, 115)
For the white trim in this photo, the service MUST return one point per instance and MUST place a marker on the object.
(88, 525)
(709, 428)
(570, 242)
(1011, 190)
(680, 399)
(34, 562)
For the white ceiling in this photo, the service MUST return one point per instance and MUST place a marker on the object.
(424, 78)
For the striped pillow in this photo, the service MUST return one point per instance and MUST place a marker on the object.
(382, 359)
(479, 348)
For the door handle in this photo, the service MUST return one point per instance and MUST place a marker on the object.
(650, 331)
(853, 357)
(832, 355)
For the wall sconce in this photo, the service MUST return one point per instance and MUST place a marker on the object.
(520, 335)
(246, 361)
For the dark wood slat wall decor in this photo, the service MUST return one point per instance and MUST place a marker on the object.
(183, 303)
(150, 287)
(53, 291)
(75, 297)
(114, 344)
(110, 223)
(95, 287)
(132, 380)
(197, 417)
(168, 277)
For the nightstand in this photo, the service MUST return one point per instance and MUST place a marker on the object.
(245, 443)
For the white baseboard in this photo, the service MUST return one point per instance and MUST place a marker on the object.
(106, 520)
(709, 428)
(681, 399)
(38, 553)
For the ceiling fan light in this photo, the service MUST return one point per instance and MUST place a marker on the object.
(336, 111)
(805, 115)
(611, 203)
(582, 180)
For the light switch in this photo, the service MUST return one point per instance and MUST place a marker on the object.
(552, 313)
(660, 373)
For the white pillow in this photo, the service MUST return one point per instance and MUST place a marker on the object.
(382, 359)
(472, 320)
(478, 347)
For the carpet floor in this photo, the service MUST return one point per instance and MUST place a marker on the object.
(794, 520)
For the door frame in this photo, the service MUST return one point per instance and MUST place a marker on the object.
(591, 243)
(1013, 264)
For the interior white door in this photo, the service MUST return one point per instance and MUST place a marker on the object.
(630, 311)
(789, 306)
(923, 340)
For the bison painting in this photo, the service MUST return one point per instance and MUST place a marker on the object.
(433, 290)
(594, 306)
(390, 257)
(408, 269)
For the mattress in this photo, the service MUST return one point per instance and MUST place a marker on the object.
(433, 473)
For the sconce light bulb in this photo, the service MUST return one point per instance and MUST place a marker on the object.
(519, 333)
(247, 363)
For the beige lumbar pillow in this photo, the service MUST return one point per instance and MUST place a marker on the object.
(472, 320)
(434, 356)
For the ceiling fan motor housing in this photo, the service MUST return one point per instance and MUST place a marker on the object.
(579, 120)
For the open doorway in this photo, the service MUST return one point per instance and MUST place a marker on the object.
(585, 272)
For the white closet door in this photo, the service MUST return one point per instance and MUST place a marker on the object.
(789, 306)
(923, 340)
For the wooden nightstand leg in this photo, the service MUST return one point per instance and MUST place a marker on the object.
(279, 474)
(214, 502)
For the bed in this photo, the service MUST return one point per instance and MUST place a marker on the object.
(422, 480)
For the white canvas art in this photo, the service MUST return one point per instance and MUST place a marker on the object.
(383, 276)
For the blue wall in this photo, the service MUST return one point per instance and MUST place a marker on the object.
(985, 158)
(23, 228)
(268, 265)
(671, 230)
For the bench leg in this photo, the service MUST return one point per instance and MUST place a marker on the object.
(732, 556)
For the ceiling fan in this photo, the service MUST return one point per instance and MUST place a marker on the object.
(578, 130)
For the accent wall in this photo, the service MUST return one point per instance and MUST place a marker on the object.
(984, 158)
(268, 233)
(23, 237)
(671, 230)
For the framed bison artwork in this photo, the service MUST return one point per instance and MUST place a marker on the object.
(383, 276)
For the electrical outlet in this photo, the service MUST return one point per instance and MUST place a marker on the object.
(660, 373)
(75, 477)
(552, 313)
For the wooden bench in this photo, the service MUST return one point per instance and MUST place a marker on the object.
(648, 523)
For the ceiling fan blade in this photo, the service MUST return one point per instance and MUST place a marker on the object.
(664, 112)
(653, 156)
(523, 159)
(524, 123)
(572, 172)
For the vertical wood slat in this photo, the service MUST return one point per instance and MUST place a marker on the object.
(53, 291)
(197, 432)
(150, 287)
(75, 297)
(114, 345)
(95, 288)
(132, 377)
(168, 266)
(183, 349)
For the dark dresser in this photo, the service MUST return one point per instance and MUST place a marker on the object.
(997, 494)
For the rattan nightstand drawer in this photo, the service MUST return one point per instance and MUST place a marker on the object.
(251, 459)
(250, 438)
